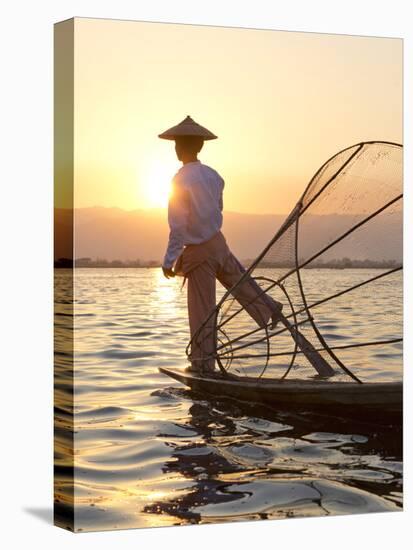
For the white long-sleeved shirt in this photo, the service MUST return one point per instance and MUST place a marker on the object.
(194, 208)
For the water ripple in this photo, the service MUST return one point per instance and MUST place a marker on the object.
(149, 452)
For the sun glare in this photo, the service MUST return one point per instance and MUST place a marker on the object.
(157, 184)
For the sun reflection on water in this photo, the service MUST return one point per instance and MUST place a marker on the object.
(166, 290)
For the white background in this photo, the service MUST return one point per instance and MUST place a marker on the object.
(26, 290)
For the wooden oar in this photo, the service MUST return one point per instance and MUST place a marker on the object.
(312, 355)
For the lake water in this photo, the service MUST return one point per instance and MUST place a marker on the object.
(148, 452)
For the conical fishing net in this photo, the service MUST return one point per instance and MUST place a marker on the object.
(331, 263)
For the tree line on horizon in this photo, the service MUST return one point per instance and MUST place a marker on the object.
(337, 263)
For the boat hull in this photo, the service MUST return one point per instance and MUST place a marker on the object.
(383, 399)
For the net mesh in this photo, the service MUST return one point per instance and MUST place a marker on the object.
(348, 218)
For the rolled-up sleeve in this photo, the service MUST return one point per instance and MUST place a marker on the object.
(177, 220)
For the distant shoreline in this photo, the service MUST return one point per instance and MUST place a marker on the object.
(343, 263)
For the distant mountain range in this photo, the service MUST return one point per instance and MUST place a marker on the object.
(116, 234)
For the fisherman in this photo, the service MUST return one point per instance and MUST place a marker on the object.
(197, 249)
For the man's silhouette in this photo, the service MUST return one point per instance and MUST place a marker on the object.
(197, 249)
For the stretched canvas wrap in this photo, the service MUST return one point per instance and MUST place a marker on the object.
(228, 274)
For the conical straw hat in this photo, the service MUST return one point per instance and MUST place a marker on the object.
(188, 127)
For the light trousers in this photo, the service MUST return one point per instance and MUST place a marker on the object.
(203, 264)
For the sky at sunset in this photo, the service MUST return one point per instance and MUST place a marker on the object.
(281, 103)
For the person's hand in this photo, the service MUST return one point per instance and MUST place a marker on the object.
(168, 272)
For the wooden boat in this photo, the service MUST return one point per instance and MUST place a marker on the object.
(383, 399)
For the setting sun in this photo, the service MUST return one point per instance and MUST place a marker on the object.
(157, 184)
